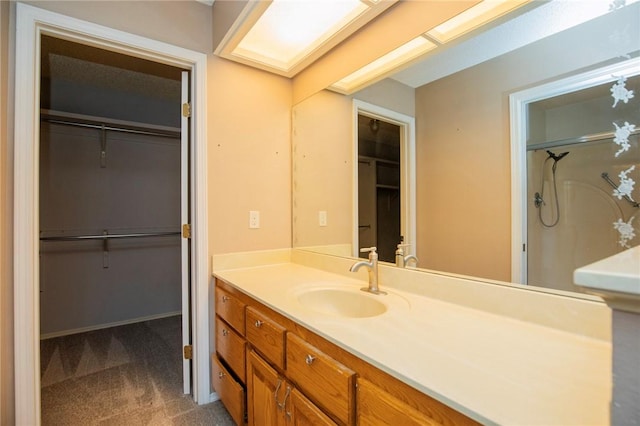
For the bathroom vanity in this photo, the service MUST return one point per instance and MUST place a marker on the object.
(295, 343)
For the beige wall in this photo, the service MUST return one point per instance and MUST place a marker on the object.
(249, 157)
(248, 132)
(463, 145)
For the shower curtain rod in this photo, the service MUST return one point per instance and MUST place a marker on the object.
(79, 120)
(109, 236)
(573, 141)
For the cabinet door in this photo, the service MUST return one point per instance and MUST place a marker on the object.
(377, 407)
(304, 413)
(265, 391)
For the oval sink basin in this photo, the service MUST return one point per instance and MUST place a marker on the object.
(352, 304)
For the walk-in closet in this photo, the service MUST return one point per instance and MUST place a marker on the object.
(111, 261)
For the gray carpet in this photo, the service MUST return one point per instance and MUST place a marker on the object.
(127, 375)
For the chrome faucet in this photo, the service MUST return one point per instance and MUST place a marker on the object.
(401, 259)
(408, 258)
(372, 266)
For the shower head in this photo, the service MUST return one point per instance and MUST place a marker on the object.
(555, 157)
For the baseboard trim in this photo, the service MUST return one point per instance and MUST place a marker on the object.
(111, 324)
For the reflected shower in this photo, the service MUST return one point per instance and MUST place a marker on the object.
(539, 196)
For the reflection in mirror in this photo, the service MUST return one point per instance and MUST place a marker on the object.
(463, 151)
(378, 186)
(573, 157)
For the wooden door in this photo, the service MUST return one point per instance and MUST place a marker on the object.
(265, 390)
(305, 413)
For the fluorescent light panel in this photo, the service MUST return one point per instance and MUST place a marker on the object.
(472, 18)
(381, 66)
(290, 30)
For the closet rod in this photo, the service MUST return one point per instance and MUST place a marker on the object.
(109, 236)
(167, 134)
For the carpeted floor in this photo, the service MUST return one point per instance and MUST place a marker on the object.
(128, 375)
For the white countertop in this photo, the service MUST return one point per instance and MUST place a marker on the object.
(493, 368)
(618, 273)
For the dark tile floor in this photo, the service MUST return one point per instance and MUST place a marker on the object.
(128, 375)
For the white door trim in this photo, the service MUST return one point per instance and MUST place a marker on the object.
(518, 103)
(31, 22)
(407, 171)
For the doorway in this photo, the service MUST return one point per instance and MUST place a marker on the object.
(384, 176)
(31, 24)
(379, 186)
(570, 205)
(110, 218)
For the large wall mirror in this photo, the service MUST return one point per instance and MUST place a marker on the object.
(463, 158)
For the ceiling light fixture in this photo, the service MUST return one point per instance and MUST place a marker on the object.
(472, 18)
(284, 36)
(381, 67)
(414, 50)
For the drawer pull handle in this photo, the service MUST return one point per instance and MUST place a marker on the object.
(284, 401)
(221, 374)
(275, 394)
(258, 323)
(225, 299)
(225, 332)
(309, 359)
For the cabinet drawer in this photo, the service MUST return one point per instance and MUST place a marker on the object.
(324, 380)
(229, 308)
(266, 336)
(231, 392)
(231, 346)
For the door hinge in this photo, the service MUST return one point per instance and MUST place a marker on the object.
(188, 352)
(186, 109)
(186, 230)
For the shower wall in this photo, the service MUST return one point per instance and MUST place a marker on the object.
(587, 205)
(585, 232)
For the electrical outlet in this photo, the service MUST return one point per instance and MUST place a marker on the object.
(322, 218)
(254, 219)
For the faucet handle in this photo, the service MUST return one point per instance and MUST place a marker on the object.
(373, 255)
(368, 249)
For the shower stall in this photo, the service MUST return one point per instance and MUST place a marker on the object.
(583, 159)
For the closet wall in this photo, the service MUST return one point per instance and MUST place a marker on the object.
(94, 181)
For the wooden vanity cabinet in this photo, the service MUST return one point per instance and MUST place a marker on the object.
(296, 377)
(228, 364)
(272, 400)
(377, 407)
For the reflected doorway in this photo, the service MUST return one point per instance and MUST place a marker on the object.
(378, 186)
(384, 172)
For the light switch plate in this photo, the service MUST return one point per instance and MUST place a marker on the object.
(254, 219)
(322, 218)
